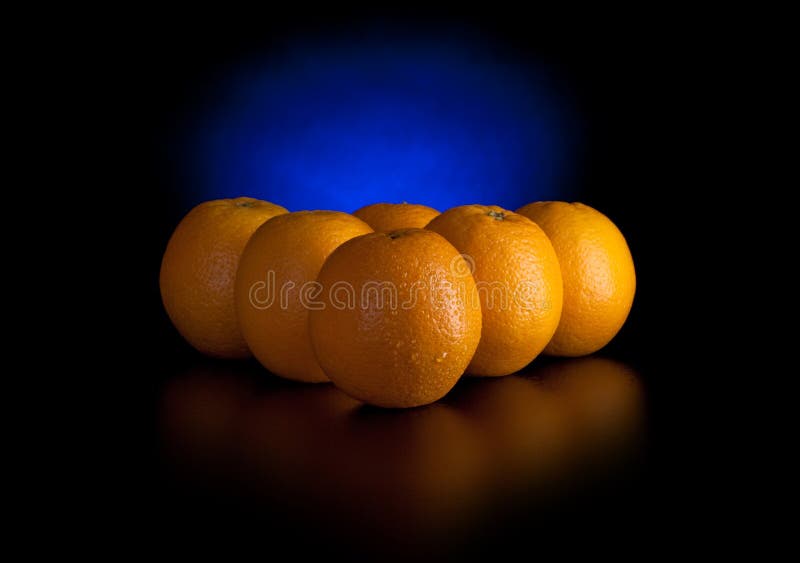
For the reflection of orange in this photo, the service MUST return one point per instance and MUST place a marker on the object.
(384, 217)
(405, 323)
(199, 415)
(419, 471)
(519, 281)
(522, 427)
(199, 267)
(599, 278)
(279, 262)
(288, 437)
(372, 475)
(603, 400)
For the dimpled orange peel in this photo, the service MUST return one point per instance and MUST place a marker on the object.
(400, 319)
(392, 216)
(199, 267)
(518, 279)
(275, 287)
(599, 277)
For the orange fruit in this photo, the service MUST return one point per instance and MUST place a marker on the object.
(274, 287)
(400, 318)
(599, 278)
(198, 271)
(385, 217)
(518, 279)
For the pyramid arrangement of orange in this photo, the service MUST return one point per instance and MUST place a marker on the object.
(395, 302)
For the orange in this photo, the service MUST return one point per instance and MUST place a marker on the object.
(518, 279)
(275, 287)
(599, 278)
(199, 267)
(385, 217)
(400, 319)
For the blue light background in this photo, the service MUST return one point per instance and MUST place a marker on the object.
(338, 125)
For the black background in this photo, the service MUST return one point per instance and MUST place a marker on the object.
(630, 82)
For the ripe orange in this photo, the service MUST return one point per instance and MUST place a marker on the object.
(401, 318)
(384, 217)
(199, 267)
(274, 287)
(518, 279)
(599, 278)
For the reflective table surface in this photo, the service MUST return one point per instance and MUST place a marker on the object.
(494, 456)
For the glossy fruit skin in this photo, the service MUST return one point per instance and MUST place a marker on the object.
(386, 217)
(286, 255)
(198, 271)
(398, 352)
(598, 271)
(519, 282)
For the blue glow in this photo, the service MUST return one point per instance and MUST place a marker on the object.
(336, 126)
